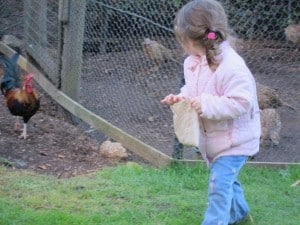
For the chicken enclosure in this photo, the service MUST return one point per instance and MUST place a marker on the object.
(96, 52)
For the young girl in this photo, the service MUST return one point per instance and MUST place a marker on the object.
(222, 90)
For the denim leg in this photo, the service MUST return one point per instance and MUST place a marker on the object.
(223, 174)
(239, 207)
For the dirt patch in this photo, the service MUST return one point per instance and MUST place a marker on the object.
(54, 146)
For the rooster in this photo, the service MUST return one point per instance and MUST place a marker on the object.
(21, 100)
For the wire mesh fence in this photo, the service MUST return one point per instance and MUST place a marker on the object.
(122, 78)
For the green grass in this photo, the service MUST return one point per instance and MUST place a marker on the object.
(134, 194)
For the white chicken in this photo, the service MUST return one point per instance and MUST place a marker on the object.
(292, 33)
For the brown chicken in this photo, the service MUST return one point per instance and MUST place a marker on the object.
(157, 52)
(270, 125)
(21, 100)
(269, 98)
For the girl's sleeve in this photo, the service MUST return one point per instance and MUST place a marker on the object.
(184, 90)
(236, 100)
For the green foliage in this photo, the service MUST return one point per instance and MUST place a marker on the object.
(261, 19)
(135, 194)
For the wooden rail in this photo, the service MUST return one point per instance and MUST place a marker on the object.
(141, 149)
(249, 163)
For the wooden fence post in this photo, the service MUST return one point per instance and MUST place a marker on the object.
(72, 49)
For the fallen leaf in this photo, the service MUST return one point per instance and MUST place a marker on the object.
(43, 167)
(43, 153)
(61, 156)
(296, 183)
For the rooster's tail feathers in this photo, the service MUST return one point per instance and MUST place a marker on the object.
(11, 75)
(14, 58)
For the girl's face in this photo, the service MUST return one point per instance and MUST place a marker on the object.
(192, 47)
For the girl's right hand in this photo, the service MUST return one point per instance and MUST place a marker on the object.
(171, 99)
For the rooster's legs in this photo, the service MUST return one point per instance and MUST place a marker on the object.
(17, 124)
(24, 133)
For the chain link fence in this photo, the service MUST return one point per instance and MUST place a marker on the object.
(123, 83)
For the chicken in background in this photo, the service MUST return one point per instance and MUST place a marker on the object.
(21, 99)
(156, 52)
(269, 98)
(270, 126)
(292, 33)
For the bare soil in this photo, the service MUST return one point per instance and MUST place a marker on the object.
(54, 146)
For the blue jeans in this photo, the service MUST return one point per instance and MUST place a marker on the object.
(226, 200)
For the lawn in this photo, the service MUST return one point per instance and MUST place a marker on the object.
(136, 194)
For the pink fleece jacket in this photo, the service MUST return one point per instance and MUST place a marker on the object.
(230, 114)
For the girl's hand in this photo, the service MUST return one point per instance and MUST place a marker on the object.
(195, 103)
(171, 99)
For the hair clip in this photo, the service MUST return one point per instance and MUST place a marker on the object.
(211, 35)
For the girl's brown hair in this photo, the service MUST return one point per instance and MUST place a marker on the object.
(198, 18)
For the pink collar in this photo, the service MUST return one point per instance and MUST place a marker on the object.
(201, 60)
(197, 61)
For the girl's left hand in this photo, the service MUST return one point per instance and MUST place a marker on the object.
(171, 99)
(195, 103)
